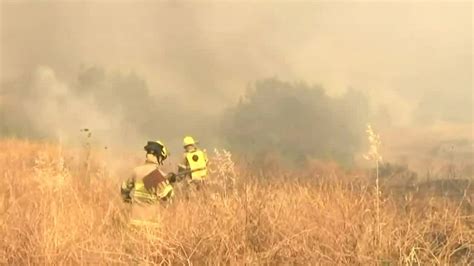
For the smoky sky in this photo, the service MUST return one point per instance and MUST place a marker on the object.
(413, 59)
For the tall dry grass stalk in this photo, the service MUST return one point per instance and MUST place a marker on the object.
(374, 155)
(222, 170)
(46, 217)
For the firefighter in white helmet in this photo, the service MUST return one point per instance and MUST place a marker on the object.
(195, 160)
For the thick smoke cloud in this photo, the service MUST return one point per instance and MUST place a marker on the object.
(43, 106)
(117, 107)
(295, 120)
(168, 69)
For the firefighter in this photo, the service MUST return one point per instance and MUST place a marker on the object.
(195, 160)
(148, 185)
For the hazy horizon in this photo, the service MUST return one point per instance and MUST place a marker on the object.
(412, 60)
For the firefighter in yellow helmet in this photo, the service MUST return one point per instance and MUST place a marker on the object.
(148, 185)
(195, 160)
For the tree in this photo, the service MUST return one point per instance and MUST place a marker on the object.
(296, 120)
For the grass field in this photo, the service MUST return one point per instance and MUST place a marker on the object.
(58, 206)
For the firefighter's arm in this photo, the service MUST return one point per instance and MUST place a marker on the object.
(184, 164)
(182, 167)
(126, 188)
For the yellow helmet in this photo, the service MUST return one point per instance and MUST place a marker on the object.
(188, 140)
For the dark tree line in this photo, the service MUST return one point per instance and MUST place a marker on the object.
(297, 121)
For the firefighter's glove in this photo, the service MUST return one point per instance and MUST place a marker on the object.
(172, 177)
(125, 193)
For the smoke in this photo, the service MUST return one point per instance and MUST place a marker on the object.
(134, 71)
(44, 106)
(117, 108)
(274, 116)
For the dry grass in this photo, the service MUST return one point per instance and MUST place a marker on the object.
(50, 215)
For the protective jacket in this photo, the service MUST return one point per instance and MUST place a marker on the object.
(147, 183)
(196, 160)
